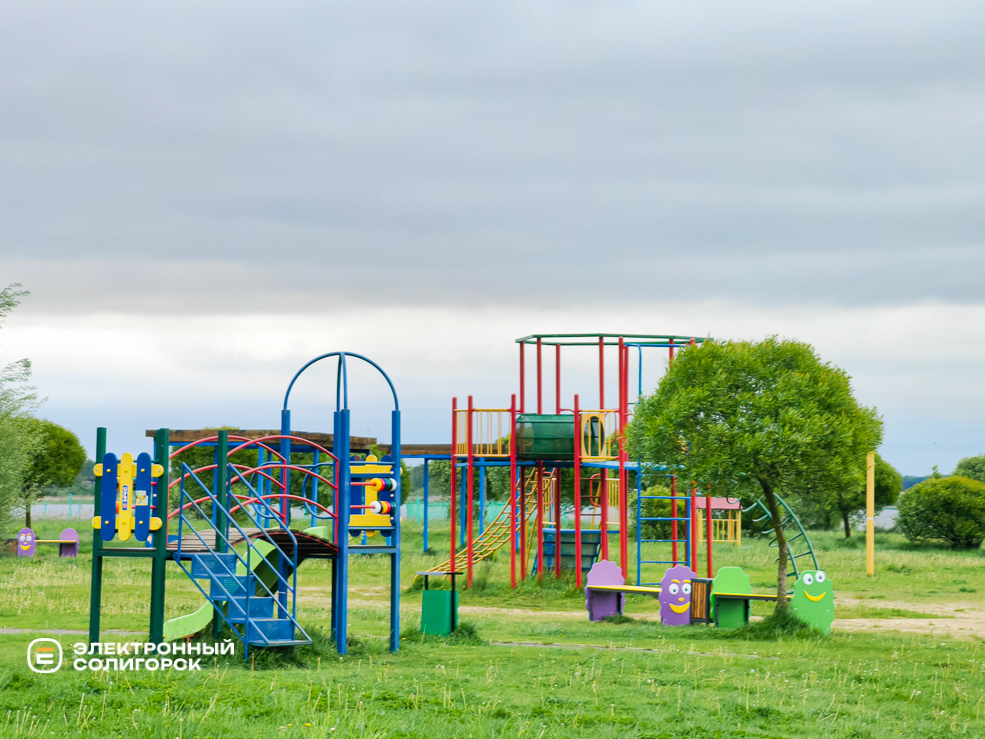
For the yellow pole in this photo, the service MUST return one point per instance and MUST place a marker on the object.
(870, 513)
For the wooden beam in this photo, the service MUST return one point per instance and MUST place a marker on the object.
(356, 443)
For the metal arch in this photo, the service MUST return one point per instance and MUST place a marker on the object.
(343, 377)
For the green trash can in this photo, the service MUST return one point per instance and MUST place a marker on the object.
(439, 608)
(439, 612)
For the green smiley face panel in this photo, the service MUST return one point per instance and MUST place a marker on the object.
(814, 600)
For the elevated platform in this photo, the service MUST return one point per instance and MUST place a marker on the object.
(310, 546)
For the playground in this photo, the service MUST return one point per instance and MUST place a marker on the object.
(604, 598)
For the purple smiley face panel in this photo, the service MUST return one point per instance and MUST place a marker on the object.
(26, 543)
(675, 596)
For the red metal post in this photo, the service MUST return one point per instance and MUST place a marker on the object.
(671, 342)
(708, 530)
(523, 526)
(623, 417)
(557, 379)
(451, 506)
(513, 490)
(469, 498)
(673, 514)
(577, 494)
(540, 520)
(694, 527)
(557, 523)
(604, 477)
(540, 379)
(604, 512)
(523, 379)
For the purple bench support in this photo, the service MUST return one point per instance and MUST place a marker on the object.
(26, 543)
(69, 545)
(602, 604)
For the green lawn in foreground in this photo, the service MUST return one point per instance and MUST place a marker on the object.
(647, 681)
(842, 686)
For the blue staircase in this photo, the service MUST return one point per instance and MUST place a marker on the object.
(591, 543)
(261, 614)
(255, 614)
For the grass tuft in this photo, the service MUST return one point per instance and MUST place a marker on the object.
(781, 624)
(619, 619)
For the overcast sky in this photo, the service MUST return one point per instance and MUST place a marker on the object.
(200, 197)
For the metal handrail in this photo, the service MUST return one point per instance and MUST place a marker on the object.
(250, 577)
(294, 552)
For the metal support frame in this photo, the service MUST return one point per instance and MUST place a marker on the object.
(156, 551)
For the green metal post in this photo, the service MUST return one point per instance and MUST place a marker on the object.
(96, 588)
(222, 523)
(159, 564)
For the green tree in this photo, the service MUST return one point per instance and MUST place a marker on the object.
(57, 457)
(947, 509)
(846, 502)
(766, 415)
(973, 467)
(17, 400)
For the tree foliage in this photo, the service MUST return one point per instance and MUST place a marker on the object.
(768, 417)
(848, 501)
(57, 456)
(945, 509)
(17, 400)
(973, 467)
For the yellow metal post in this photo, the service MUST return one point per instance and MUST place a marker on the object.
(870, 513)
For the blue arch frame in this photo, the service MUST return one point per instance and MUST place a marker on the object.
(340, 448)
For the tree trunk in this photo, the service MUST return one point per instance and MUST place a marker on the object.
(848, 525)
(27, 515)
(781, 545)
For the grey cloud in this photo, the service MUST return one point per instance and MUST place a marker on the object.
(302, 155)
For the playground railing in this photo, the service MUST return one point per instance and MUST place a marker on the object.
(490, 432)
(251, 579)
(598, 434)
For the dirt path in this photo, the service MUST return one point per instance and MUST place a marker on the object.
(955, 620)
(963, 620)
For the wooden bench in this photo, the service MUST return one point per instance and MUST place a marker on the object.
(746, 602)
(27, 540)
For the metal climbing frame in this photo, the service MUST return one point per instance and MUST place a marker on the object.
(674, 520)
(789, 517)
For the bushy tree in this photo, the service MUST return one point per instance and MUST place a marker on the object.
(973, 467)
(847, 502)
(945, 509)
(769, 414)
(17, 400)
(56, 458)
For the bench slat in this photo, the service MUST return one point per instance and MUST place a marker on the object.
(625, 589)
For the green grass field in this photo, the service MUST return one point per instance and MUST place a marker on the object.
(537, 668)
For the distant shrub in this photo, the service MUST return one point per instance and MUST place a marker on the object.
(973, 467)
(946, 509)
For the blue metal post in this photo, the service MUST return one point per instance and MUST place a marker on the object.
(639, 527)
(285, 450)
(314, 484)
(261, 487)
(395, 556)
(425, 504)
(340, 589)
(482, 497)
(461, 504)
